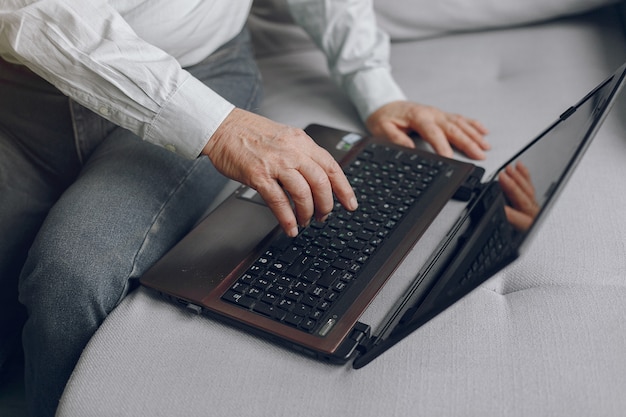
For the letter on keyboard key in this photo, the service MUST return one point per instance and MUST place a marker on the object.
(308, 324)
(242, 300)
(293, 319)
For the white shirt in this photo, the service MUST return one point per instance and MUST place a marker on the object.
(124, 58)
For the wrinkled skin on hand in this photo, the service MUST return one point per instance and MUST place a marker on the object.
(280, 162)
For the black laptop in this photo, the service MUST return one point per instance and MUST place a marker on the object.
(308, 293)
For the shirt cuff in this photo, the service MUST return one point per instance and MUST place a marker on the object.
(372, 88)
(188, 119)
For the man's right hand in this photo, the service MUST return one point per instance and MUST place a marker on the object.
(280, 162)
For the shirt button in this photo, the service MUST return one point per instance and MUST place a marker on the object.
(170, 147)
(104, 111)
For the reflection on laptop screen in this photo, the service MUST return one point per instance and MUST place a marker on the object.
(530, 179)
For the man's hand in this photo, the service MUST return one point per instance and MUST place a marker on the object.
(280, 162)
(395, 120)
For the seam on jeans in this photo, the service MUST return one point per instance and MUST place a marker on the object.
(155, 219)
(255, 93)
(124, 292)
(75, 128)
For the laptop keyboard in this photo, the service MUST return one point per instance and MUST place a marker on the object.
(298, 281)
(494, 250)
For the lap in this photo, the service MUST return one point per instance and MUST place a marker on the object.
(131, 202)
(108, 213)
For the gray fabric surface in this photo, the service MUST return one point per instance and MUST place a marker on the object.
(546, 336)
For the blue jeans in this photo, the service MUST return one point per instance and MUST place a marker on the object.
(85, 208)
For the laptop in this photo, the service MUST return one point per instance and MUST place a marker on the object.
(308, 293)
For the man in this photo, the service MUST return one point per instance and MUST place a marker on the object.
(88, 88)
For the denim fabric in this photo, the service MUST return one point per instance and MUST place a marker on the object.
(85, 208)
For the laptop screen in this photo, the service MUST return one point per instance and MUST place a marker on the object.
(532, 178)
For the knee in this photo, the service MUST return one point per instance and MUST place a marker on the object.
(66, 285)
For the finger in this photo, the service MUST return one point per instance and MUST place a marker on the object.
(297, 187)
(462, 141)
(478, 126)
(338, 181)
(318, 196)
(278, 202)
(435, 136)
(396, 135)
(474, 130)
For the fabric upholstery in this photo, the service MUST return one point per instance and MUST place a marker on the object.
(418, 19)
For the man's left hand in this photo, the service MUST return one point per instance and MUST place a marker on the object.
(394, 121)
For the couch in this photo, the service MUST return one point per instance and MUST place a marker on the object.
(544, 337)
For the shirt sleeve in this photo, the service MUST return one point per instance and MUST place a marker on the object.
(90, 53)
(357, 50)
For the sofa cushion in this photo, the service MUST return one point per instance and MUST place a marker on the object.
(411, 19)
(275, 32)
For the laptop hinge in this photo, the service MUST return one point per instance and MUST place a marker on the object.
(361, 333)
(471, 185)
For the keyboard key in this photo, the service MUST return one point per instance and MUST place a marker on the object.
(310, 300)
(293, 319)
(308, 324)
(299, 265)
(269, 298)
(265, 309)
(301, 309)
(328, 277)
(293, 295)
(285, 304)
(239, 299)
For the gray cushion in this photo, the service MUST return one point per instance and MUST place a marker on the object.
(417, 19)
